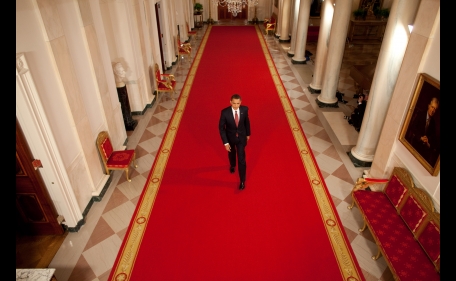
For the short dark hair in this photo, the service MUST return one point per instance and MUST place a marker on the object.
(236, 97)
(362, 95)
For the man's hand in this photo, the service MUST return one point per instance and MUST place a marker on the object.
(228, 147)
(425, 140)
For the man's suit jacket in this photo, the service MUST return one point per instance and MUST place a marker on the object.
(358, 114)
(227, 126)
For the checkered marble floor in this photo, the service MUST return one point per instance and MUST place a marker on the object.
(89, 254)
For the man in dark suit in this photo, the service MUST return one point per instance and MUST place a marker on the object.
(234, 127)
(356, 118)
(422, 132)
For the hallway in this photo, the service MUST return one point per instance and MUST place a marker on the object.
(89, 254)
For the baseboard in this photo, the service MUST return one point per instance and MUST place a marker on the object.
(97, 198)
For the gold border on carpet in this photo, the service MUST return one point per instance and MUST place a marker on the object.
(335, 231)
(134, 237)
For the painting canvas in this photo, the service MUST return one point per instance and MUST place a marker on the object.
(420, 133)
(315, 8)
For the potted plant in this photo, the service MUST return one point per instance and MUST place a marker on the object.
(384, 14)
(377, 12)
(359, 14)
(198, 8)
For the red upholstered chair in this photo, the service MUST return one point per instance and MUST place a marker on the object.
(269, 25)
(165, 82)
(184, 49)
(114, 159)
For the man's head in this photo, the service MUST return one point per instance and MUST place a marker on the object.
(432, 106)
(235, 101)
(361, 97)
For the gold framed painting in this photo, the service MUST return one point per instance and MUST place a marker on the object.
(420, 132)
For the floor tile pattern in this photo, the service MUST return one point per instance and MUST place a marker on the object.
(89, 254)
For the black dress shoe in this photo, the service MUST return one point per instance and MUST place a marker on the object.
(242, 185)
(232, 170)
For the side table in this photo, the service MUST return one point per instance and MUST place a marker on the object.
(198, 20)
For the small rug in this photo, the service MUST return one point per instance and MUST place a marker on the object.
(345, 133)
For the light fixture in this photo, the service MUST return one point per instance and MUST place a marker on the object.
(410, 26)
(234, 6)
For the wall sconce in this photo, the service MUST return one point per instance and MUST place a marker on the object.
(410, 26)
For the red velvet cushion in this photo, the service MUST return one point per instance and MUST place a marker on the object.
(120, 159)
(404, 253)
(430, 240)
(107, 148)
(395, 190)
(412, 213)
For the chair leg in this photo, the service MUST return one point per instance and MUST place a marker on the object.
(170, 94)
(181, 56)
(134, 161)
(378, 255)
(126, 173)
(364, 227)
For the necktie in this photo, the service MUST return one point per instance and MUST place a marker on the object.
(236, 118)
(427, 125)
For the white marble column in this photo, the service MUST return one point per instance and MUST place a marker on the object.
(303, 23)
(212, 12)
(294, 27)
(279, 19)
(389, 62)
(285, 28)
(338, 33)
(327, 12)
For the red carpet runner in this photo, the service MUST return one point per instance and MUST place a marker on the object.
(192, 222)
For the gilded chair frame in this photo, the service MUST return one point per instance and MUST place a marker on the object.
(101, 138)
(184, 49)
(269, 26)
(166, 80)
